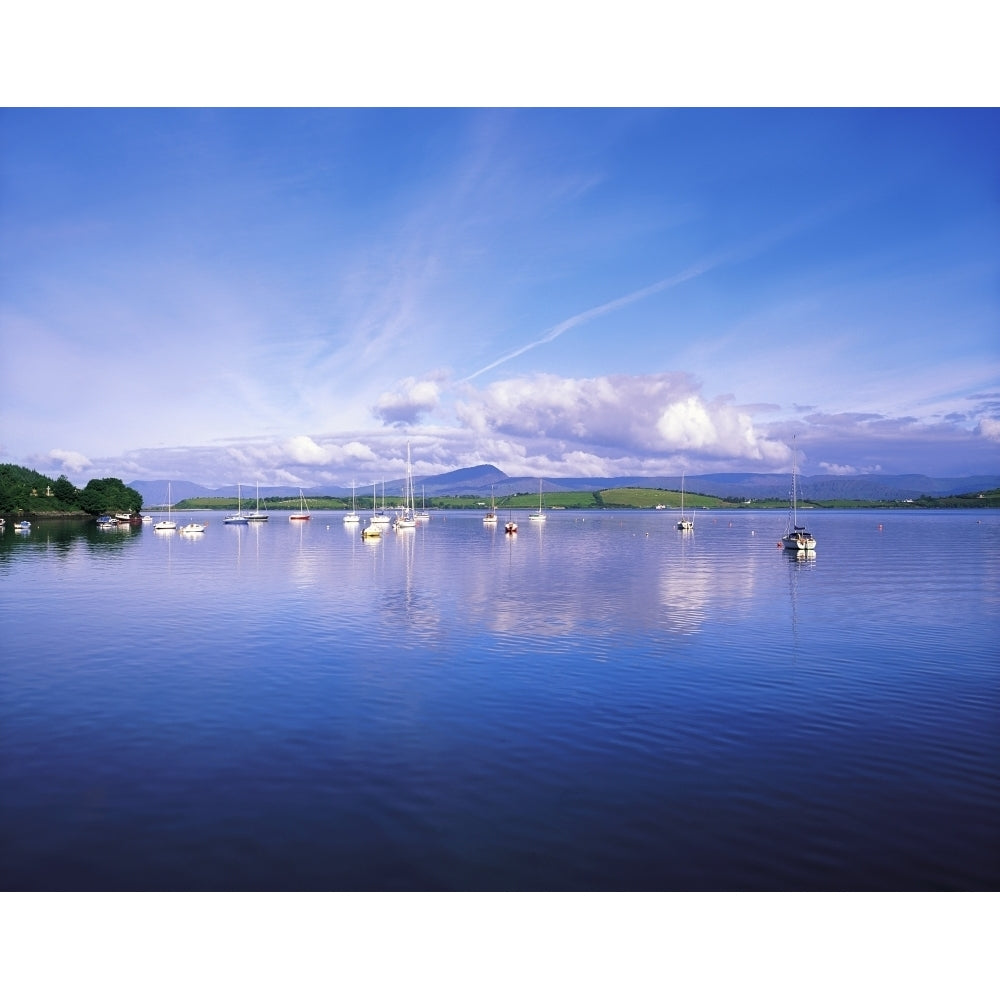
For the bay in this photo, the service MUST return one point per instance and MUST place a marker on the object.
(600, 702)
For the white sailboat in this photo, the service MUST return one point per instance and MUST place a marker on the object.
(423, 514)
(257, 515)
(238, 517)
(380, 516)
(373, 529)
(538, 515)
(685, 523)
(796, 538)
(353, 517)
(303, 512)
(490, 517)
(166, 524)
(405, 518)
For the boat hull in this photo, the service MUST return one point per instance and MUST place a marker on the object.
(799, 541)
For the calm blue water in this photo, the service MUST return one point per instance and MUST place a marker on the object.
(600, 702)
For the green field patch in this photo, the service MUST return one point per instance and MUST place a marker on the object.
(640, 498)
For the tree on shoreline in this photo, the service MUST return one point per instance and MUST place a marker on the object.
(25, 490)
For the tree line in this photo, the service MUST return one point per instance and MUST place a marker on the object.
(30, 492)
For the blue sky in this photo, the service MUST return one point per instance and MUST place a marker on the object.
(290, 296)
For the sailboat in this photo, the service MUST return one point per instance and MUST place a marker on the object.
(354, 517)
(685, 523)
(167, 524)
(257, 515)
(303, 511)
(796, 538)
(423, 514)
(405, 518)
(373, 529)
(490, 517)
(380, 516)
(511, 526)
(238, 517)
(538, 515)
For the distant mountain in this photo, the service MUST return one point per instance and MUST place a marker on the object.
(154, 491)
(870, 487)
(476, 481)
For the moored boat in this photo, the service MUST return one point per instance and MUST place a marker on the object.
(685, 523)
(796, 538)
(258, 514)
(490, 517)
(380, 516)
(423, 514)
(303, 512)
(238, 517)
(352, 517)
(405, 518)
(166, 524)
(538, 515)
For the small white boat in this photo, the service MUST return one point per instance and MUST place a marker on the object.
(685, 523)
(257, 515)
(303, 511)
(194, 528)
(238, 517)
(511, 526)
(22, 526)
(371, 530)
(490, 517)
(3, 523)
(405, 518)
(423, 514)
(167, 524)
(147, 519)
(353, 517)
(538, 515)
(796, 538)
(380, 516)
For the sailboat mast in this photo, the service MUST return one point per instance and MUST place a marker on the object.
(795, 499)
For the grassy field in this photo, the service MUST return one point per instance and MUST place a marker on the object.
(623, 498)
(640, 497)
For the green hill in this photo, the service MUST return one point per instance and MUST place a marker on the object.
(24, 491)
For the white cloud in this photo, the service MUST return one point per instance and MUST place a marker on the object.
(833, 469)
(411, 399)
(645, 415)
(989, 428)
(71, 461)
(305, 451)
